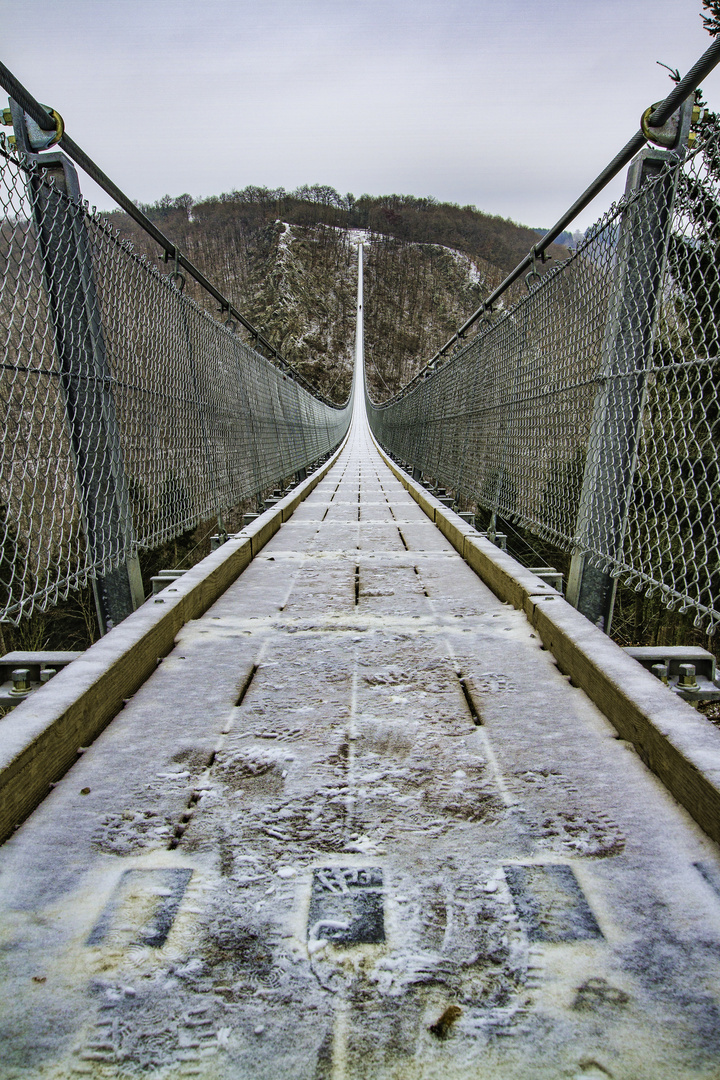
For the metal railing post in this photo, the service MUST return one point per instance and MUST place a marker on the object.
(85, 377)
(617, 413)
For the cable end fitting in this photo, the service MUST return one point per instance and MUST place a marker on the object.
(675, 132)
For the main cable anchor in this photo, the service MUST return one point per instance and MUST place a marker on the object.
(37, 138)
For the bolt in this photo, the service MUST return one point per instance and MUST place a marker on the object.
(687, 675)
(20, 680)
(46, 674)
(660, 671)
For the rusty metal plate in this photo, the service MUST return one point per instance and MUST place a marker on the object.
(142, 908)
(346, 905)
(550, 903)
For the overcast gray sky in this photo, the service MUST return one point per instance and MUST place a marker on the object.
(511, 107)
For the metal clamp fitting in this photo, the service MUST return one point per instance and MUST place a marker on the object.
(534, 274)
(228, 322)
(43, 140)
(177, 278)
(674, 133)
(649, 135)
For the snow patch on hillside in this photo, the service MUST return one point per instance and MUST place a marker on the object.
(285, 236)
(468, 265)
(357, 237)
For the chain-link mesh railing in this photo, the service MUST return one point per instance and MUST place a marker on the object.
(588, 411)
(129, 414)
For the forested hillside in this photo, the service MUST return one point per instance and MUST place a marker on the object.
(288, 262)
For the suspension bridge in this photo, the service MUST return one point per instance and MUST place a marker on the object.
(360, 796)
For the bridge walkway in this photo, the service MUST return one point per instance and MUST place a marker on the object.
(358, 825)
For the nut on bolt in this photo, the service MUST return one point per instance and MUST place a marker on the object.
(687, 675)
(20, 680)
(660, 671)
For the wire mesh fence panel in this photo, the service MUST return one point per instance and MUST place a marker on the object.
(588, 412)
(129, 413)
(39, 509)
